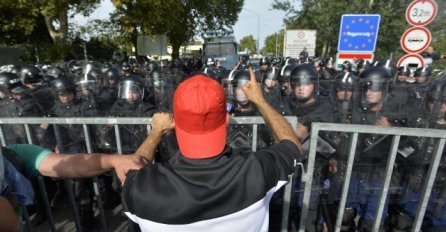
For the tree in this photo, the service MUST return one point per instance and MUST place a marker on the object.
(274, 43)
(325, 17)
(23, 16)
(179, 20)
(248, 43)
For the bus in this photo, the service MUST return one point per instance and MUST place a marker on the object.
(223, 48)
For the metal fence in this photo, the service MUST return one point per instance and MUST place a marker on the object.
(307, 174)
(396, 134)
(26, 122)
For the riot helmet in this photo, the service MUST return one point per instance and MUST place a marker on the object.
(264, 63)
(304, 79)
(30, 75)
(126, 68)
(271, 77)
(131, 90)
(284, 79)
(64, 89)
(152, 66)
(10, 84)
(241, 78)
(374, 84)
(423, 74)
(344, 84)
(210, 63)
(403, 73)
(361, 65)
(389, 66)
(55, 72)
(112, 76)
(347, 66)
(329, 63)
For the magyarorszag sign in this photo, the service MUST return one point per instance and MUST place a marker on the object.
(358, 33)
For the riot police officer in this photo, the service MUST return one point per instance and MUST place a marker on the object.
(32, 78)
(372, 150)
(309, 107)
(72, 140)
(108, 94)
(261, 72)
(271, 90)
(416, 164)
(130, 103)
(421, 87)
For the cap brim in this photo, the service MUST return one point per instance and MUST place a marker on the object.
(201, 146)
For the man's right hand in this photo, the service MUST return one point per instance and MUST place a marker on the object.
(253, 90)
(162, 122)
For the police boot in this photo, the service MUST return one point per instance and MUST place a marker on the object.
(348, 220)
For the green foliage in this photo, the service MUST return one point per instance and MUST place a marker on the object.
(179, 20)
(325, 17)
(248, 43)
(270, 44)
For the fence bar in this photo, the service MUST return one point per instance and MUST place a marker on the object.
(2, 136)
(286, 203)
(308, 183)
(42, 188)
(46, 202)
(254, 137)
(68, 183)
(348, 174)
(388, 177)
(95, 181)
(28, 134)
(428, 184)
(118, 139)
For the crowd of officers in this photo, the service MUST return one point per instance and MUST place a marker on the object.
(311, 89)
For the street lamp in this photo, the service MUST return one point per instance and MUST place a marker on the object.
(258, 28)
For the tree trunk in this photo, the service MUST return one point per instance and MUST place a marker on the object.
(176, 50)
(135, 41)
(59, 35)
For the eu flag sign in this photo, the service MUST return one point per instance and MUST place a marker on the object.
(358, 32)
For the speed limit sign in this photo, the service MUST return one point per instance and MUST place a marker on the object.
(421, 12)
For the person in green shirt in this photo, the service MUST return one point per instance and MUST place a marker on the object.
(37, 160)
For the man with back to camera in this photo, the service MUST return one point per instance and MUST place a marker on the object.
(204, 186)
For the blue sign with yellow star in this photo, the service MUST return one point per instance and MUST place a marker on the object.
(358, 32)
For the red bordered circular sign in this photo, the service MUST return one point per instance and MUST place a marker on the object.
(411, 59)
(416, 39)
(421, 12)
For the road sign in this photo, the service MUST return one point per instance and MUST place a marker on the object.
(341, 57)
(358, 33)
(411, 60)
(421, 12)
(415, 39)
(296, 40)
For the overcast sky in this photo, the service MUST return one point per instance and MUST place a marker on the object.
(271, 21)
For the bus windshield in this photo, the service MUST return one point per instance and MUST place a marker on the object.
(226, 49)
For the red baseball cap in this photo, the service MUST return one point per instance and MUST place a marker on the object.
(199, 108)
